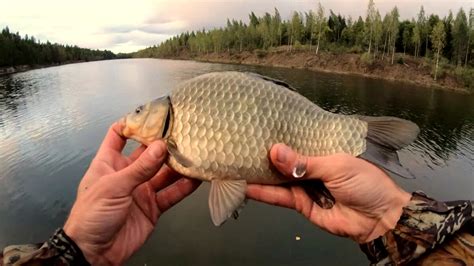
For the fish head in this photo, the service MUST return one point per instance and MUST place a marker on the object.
(148, 122)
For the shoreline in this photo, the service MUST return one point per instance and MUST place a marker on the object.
(23, 68)
(4, 71)
(412, 70)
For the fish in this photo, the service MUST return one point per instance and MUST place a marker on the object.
(219, 127)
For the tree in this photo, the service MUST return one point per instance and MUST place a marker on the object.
(416, 39)
(296, 29)
(276, 27)
(321, 25)
(422, 29)
(386, 26)
(370, 22)
(310, 27)
(460, 36)
(378, 32)
(470, 35)
(336, 25)
(394, 29)
(437, 39)
(448, 25)
(359, 31)
(406, 38)
(16, 50)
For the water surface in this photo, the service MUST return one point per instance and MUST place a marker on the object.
(52, 121)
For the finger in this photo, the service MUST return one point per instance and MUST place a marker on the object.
(113, 140)
(142, 169)
(294, 166)
(273, 195)
(173, 194)
(137, 152)
(165, 177)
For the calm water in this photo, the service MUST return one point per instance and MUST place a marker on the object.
(52, 121)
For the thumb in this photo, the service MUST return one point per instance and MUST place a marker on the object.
(143, 168)
(295, 166)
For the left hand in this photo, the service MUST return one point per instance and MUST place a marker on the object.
(120, 199)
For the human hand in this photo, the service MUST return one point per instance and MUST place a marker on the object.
(120, 199)
(368, 202)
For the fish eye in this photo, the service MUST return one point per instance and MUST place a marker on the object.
(139, 109)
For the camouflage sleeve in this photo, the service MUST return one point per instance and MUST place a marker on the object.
(59, 250)
(428, 231)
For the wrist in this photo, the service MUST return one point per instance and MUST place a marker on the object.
(66, 249)
(88, 250)
(391, 216)
(424, 224)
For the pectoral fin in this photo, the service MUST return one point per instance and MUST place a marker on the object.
(226, 198)
(180, 158)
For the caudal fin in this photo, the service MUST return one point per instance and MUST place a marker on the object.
(386, 135)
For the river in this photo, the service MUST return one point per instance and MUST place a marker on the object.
(52, 121)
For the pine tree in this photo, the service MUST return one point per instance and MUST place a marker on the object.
(460, 36)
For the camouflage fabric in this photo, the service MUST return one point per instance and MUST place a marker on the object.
(424, 225)
(59, 250)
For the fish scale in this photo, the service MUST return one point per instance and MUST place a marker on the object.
(251, 114)
(220, 127)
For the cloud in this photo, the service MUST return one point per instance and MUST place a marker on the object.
(122, 26)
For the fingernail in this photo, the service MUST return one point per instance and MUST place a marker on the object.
(156, 150)
(282, 154)
(300, 167)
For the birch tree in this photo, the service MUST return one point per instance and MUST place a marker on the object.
(321, 25)
(438, 37)
(394, 29)
(370, 23)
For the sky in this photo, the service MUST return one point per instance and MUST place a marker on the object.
(127, 26)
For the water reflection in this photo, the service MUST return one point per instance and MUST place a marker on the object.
(52, 120)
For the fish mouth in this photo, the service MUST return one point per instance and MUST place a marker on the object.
(123, 124)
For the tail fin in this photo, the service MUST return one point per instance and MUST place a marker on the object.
(386, 135)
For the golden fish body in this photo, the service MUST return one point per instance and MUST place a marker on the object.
(226, 123)
(220, 127)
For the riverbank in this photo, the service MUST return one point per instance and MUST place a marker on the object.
(22, 68)
(405, 68)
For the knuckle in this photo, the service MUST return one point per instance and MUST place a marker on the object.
(142, 167)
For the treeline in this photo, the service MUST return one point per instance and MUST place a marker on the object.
(16, 50)
(451, 37)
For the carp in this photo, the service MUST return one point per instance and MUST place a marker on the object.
(219, 127)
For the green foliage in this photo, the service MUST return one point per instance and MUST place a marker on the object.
(460, 31)
(466, 75)
(438, 37)
(15, 50)
(367, 59)
(333, 33)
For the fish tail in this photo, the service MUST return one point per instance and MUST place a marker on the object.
(386, 135)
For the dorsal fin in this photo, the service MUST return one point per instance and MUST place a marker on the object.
(276, 81)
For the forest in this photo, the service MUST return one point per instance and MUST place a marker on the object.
(448, 40)
(16, 50)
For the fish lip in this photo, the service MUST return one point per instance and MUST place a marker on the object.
(122, 123)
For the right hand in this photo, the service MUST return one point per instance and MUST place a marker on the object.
(368, 202)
